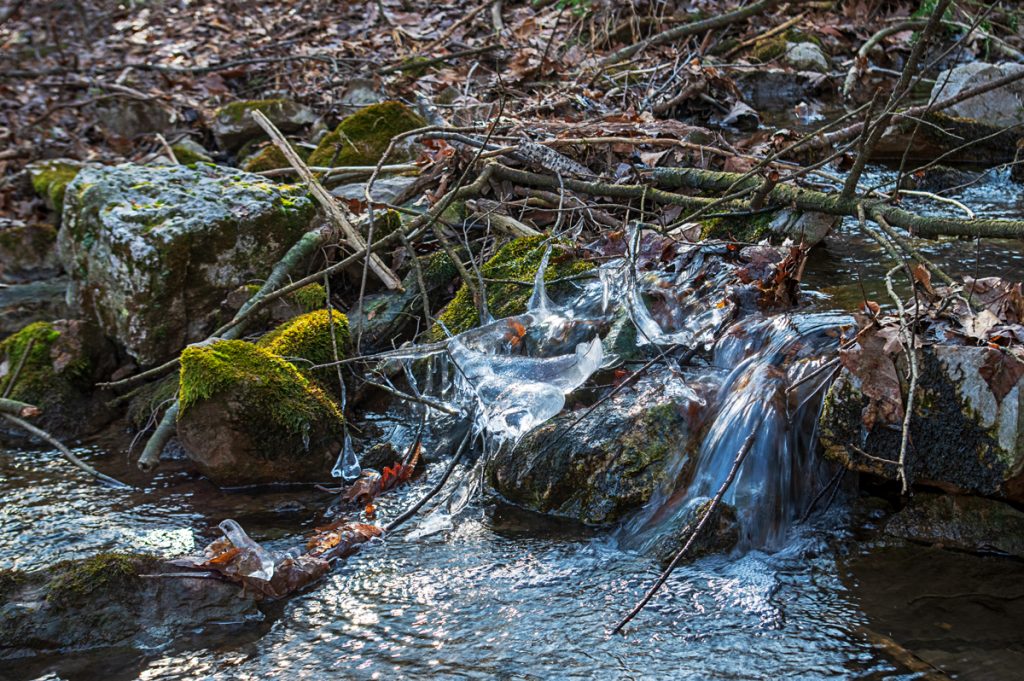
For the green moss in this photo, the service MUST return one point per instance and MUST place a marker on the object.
(50, 179)
(271, 158)
(439, 269)
(362, 138)
(187, 154)
(38, 382)
(104, 573)
(517, 261)
(236, 112)
(769, 49)
(745, 228)
(311, 297)
(278, 398)
(308, 338)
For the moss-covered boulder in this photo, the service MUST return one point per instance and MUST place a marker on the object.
(248, 417)
(153, 251)
(51, 178)
(60, 362)
(362, 138)
(233, 124)
(308, 340)
(515, 263)
(279, 310)
(188, 151)
(603, 468)
(270, 158)
(967, 430)
(28, 251)
(104, 601)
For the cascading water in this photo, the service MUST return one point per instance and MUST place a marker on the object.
(513, 374)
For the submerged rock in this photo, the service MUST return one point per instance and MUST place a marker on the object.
(233, 124)
(362, 138)
(720, 534)
(106, 601)
(966, 429)
(62, 361)
(152, 251)
(249, 417)
(967, 523)
(603, 468)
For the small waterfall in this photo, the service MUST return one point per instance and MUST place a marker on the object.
(511, 375)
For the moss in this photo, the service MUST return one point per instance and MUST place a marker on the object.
(311, 297)
(278, 398)
(271, 158)
(415, 67)
(362, 138)
(104, 573)
(50, 179)
(237, 112)
(188, 154)
(517, 261)
(38, 382)
(439, 269)
(769, 49)
(746, 229)
(308, 338)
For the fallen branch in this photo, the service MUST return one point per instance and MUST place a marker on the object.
(54, 442)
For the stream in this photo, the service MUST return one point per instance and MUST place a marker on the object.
(511, 595)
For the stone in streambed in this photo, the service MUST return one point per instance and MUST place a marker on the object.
(106, 601)
(153, 251)
(966, 523)
(248, 417)
(966, 432)
(1000, 108)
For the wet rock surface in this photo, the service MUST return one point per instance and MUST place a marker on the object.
(961, 522)
(966, 428)
(603, 468)
(152, 251)
(111, 600)
(1000, 107)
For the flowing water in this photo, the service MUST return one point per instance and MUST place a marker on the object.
(492, 592)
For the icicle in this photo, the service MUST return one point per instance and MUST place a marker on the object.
(539, 301)
(255, 561)
(347, 466)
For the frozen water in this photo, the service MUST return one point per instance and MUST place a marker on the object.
(254, 560)
(347, 466)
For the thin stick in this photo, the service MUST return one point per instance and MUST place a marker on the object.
(43, 435)
(17, 370)
(744, 450)
(433, 490)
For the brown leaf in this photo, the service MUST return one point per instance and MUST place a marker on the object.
(1001, 371)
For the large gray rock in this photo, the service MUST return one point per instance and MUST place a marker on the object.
(967, 430)
(105, 601)
(605, 467)
(1001, 107)
(961, 522)
(152, 251)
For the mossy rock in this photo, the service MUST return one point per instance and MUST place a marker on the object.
(233, 124)
(610, 465)
(188, 152)
(271, 158)
(61, 362)
(50, 180)
(769, 49)
(153, 251)
(307, 340)
(75, 581)
(247, 416)
(746, 229)
(516, 261)
(362, 138)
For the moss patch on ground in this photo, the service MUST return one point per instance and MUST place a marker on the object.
(238, 112)
(276, 395)
(516, 261)
(74, 580)
(50, 179)
(362, 138)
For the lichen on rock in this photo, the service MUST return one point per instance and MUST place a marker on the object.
(153, 251)
(362, 138)
(247, 416)
(516, 261)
